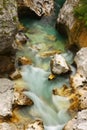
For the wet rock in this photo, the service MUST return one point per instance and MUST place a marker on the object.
(42, 7)
(82, 92)
(49, 53)
(21, 38)
(20, 98)
(81, 61)
(15, 75)
(59, 65)
(6, 97)
(70, 26)
(24, 61)
(51, 77)
(8, 24)
(79, 122)
(37, 125)
(78, 80)
(6, 65)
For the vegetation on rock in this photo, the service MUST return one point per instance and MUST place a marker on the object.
(81, 11)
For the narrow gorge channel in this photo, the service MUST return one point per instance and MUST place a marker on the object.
(43, 42)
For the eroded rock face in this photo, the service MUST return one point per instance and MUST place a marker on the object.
(8, 24)
(69, 25)
(59, 65)
(6, 97)
(79, 122)
(40, 7)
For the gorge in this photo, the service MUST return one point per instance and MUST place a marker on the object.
(46, 88)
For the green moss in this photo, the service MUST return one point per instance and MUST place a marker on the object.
(81, 11)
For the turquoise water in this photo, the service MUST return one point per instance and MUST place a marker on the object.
(44, 41)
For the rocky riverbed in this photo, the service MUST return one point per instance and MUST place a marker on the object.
(43, 85)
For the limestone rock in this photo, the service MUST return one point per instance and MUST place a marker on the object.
(24, 61)
(40, 7)
(7, 126)
(79, 122)
(20, 98)
(77, 80)
(59, 65)
(15, 75)
(6, 97)
(21, 37)
(37, 125)
(8, 24)
(81, 61)
(82, 92)
(69, 25)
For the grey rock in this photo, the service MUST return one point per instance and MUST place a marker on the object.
(6, 97)
(79, 122)
(8, 24)
(59, 65)
(66, 22)
(40, 7)
(7, 126)
(77, 80)
(37, 125)
(81, 61)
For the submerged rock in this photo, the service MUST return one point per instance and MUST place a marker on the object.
(59, 65)
(79, 122)
(69, 25)
(37, 125)
(6, 97)
(40, 7)
(8, 24)
(24, 61)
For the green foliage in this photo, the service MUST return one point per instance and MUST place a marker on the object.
(81, 11)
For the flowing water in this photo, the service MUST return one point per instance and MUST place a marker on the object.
(44, 39)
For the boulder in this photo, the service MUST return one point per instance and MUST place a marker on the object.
(15, 75)
(37, 125)
(6, 97)
(40, 7)
(69, 25)
(77, 80)
(82, 92)
(20, 98)
(79, 122)
(81, 61)
(59, 65)
(8, 24)
(7, 126)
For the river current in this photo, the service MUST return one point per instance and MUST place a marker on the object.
(44, 39)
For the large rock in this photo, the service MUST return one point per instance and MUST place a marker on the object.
(40, 7)
(37, 125)
(59, 65)
(69, 25)
(8, 24)
(81, 61)
(79, 122)
(6, 97)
